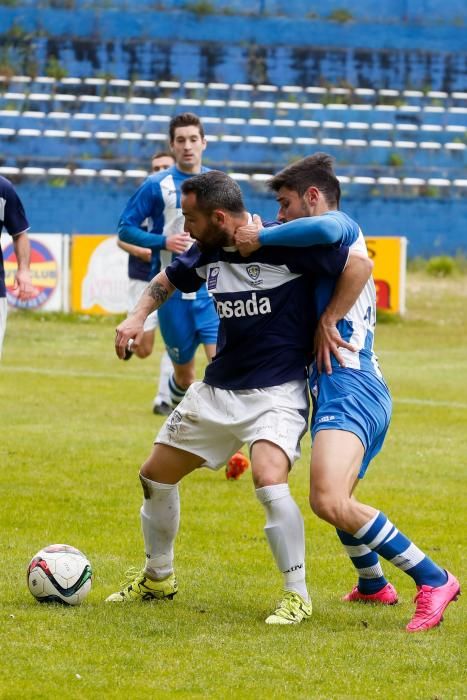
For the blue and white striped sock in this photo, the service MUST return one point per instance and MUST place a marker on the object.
(370, 574)
(380, 535)
(176, 392)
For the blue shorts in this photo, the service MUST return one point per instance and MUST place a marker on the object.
(355, 401)
(187, 323)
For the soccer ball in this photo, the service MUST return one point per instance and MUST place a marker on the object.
(59, 574)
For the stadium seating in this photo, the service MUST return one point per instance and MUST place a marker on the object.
(89, 88)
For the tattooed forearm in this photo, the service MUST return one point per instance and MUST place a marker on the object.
(157, 292)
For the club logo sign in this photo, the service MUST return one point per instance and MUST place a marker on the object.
(44, 274)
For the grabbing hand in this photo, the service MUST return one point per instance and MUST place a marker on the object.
(247, 237)
(178, 243)
(328, 341)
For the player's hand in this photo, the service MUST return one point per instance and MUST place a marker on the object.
(128, 335)
(23, 287)
(178, 243)
(247, 237)
(328, 341)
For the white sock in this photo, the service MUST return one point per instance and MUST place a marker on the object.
(160, 519)
(165, 371)
(286, 535)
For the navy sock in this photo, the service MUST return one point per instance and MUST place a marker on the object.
(380, 535)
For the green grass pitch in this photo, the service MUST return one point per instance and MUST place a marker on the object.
(76, 424)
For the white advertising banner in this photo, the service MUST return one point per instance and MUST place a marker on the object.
(99, 275)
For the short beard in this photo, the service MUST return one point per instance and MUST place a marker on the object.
(220, 240)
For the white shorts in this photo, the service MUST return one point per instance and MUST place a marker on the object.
(3, 315)
(214, 423)
(135, 290)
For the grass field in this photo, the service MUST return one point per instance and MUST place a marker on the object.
(77, 424)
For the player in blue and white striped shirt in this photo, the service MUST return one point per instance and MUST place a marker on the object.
(188, 320)
(352, 405)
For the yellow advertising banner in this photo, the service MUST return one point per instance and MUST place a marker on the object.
(99, 279)
(389, 254)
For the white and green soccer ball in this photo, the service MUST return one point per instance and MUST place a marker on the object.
(59, 574)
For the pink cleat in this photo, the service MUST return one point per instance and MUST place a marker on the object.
(431, 603)
(386, 596)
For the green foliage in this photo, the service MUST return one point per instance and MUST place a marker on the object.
(200, 7)
(54, 69)
(429, 191)
(8, 71)
(9, 3)
(77, 424)
(16, 32)
(442, 266)
(58, 182)
(341, 15)
(386, 317)
(395, 160)
(416, 264)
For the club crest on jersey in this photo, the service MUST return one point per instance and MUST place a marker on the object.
(213, 275)
(174, 421)
(253, 272)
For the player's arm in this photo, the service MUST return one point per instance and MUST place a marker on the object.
(180, 274)
(349, 286)
(135, 250)
(145, 203)
(17, 226)
(131, 329)
(23, 286)
(327, 229)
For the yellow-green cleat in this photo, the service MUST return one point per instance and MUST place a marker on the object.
(291, 610)
(143, 588)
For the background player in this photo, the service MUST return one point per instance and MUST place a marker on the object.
(12, 216)
(352, 405)
(252, 392)
(188, 319)
(139, 273)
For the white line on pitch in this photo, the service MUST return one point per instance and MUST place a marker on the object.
(75, 374)
(144, 377)
(432, 402)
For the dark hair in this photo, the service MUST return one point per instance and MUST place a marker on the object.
(313, 171)
(185, 119)
(162, 154)
(215, 190)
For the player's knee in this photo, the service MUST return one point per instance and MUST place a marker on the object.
(184, 375)
(265, 478)
(329, 507)
(145, 470)
(149, 469)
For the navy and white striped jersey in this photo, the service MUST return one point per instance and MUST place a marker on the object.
(159, 201)
(265, 307)
(12, 216)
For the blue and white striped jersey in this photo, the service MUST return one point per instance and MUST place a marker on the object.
(267, 322)
(159, 201)
(358, 325)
